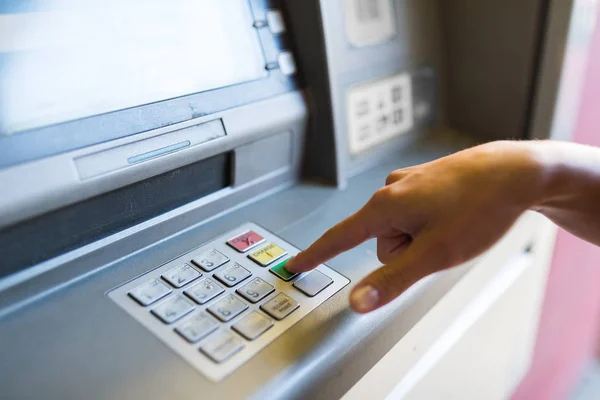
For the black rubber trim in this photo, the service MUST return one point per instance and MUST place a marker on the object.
(41, 238)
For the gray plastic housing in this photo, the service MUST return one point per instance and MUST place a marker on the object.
(49, 183)
(336, 65)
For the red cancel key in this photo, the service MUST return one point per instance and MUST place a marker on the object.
(245, 241)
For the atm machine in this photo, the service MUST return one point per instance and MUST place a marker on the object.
(159, 162)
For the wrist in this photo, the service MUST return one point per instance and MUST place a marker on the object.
(550, 172)
(525, 171)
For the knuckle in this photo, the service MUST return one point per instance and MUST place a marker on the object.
(381, 196)
(390, 179)
(393, 177)
(383, 256)
(381, 251)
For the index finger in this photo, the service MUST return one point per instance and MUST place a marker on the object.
(342, 237)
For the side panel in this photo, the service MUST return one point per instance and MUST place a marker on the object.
(490, 49)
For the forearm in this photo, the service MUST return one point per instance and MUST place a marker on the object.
(571, 187)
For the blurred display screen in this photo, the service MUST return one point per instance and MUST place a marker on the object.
(62, 60)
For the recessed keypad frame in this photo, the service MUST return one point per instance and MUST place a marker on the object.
(213, 370)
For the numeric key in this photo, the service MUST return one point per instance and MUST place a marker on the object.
(227, 308)
(232, 275)
(173, 309)
(210, 260)
(221, 346)
(252, 325)
(204, 291)
(150, 292)
(255, 290)
(181, 275)
(197, 327)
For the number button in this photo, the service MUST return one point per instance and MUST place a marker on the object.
(221, 345)
(252, 325)
(232, 275)
(210, 260)
(150, 292)
(228, 308)
(255, 290)
(197, 327)
(181, 275)
(173, 309)
(204, 291)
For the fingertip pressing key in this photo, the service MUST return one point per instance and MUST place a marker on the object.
(301, 263)
(293, 266)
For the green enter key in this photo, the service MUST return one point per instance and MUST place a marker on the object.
(281, 272)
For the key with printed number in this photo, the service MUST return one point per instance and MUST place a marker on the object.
(197, 327)
(255, 290)
(227, 308)
(232, 275)
(210, 260)
(181, 275)
(204, 291)
(150, 292)
(173, 309)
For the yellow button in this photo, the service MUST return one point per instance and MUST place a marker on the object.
(267, 254)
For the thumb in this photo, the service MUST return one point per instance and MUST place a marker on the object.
(390, 281)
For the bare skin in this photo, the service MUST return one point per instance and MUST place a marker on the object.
(441, 214)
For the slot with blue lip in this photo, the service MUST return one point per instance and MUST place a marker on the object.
(158, 152)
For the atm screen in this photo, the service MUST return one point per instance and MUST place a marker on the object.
(62, 60)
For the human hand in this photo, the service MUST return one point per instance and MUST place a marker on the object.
(433, 216)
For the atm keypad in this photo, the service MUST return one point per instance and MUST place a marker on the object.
(243, 299)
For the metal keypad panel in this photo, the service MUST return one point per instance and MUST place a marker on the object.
(220, 304)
